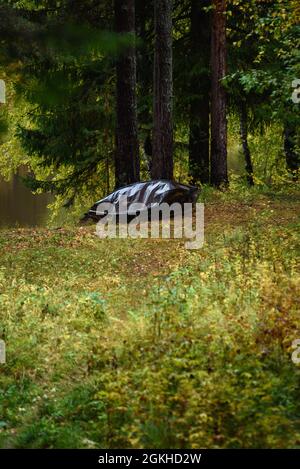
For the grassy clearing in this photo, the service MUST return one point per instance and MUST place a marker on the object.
(140, 343)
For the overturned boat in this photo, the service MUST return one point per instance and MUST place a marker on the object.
(130, 200)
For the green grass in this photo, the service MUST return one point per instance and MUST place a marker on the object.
(140, 343)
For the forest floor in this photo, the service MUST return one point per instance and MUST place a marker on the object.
(142, 343)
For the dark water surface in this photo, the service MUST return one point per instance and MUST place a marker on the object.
(18, 206)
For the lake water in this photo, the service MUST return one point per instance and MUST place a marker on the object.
(18, 206)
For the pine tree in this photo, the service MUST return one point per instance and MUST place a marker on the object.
(218, 95)
(127, 146)
(244, 142)
(162, 160)
(199, 92)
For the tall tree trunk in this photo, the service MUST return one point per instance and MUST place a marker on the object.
(162, 160)
(244, 141)
(127, 146)
(218, 98)
(200, 91)
(144, 20)
(291, 154)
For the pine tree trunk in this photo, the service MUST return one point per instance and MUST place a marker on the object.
(291, 154)
(200, 91)
(244, 141)
(127, 146)
(145, 75)
(218, 98)
(162, 160)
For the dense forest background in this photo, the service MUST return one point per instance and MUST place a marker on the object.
(102, 94)
(142, 343)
